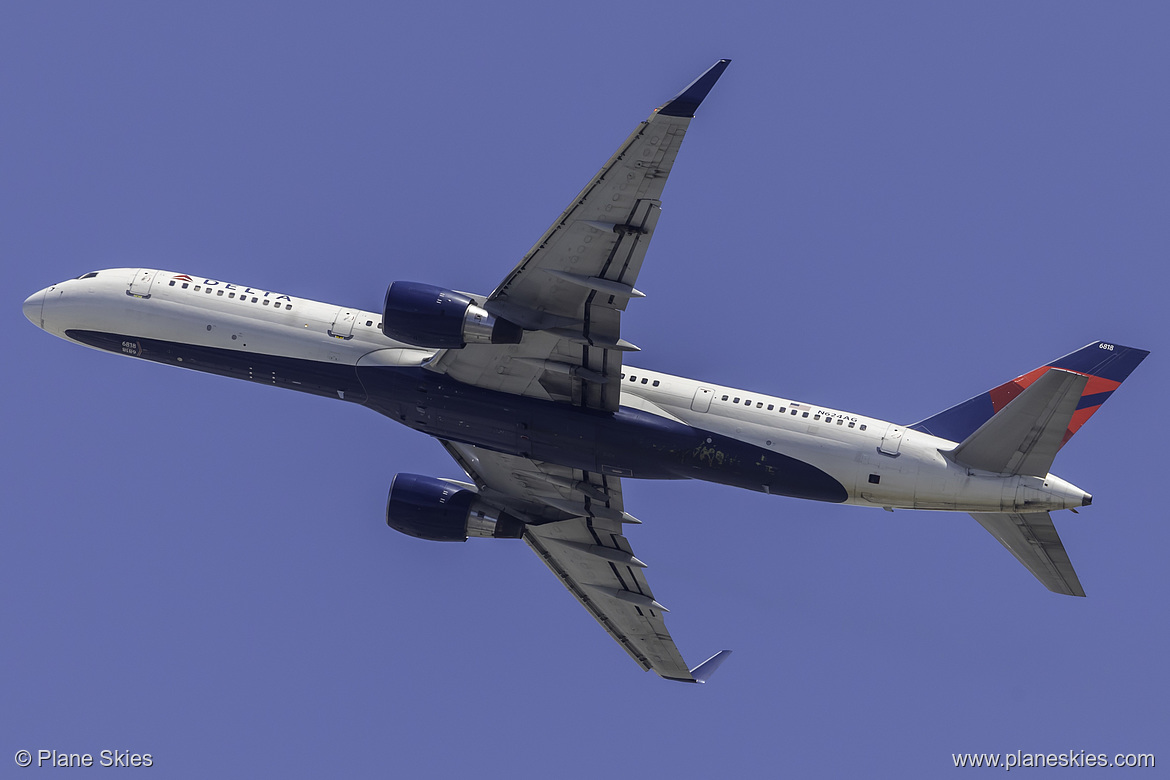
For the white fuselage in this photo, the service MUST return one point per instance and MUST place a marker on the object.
(878, 463)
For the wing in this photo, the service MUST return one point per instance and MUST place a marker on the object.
(570, 289)
(1032, 538)
(575, 523)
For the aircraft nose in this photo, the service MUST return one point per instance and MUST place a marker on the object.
(32, 308)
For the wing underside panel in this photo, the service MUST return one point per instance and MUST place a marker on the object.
(614, 593)
(575, 524)
(569, 290)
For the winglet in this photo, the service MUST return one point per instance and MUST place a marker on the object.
(684, 103)
(702, 673)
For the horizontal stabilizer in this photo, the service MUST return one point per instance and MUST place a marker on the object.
(1026, 435)
(1032, 538)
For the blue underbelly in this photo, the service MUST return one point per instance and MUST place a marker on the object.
(628, 443)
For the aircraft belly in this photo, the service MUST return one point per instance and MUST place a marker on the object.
(629, 443)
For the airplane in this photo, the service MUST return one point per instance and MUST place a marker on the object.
(528, 389)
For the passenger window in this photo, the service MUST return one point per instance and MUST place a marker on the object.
(794, 413)
(645, 380)
(185, 285)
(724, 398)
(231, 295)
(747, 402)
(735, 400)
(771, 407)
(655, 383)
(633, 378)
(863, 427)
(805, 414)
(369, 323)
(172, 282)
(219, 293)
(840, 421)
(288, 306)
(265, 301)
(816, 416)
(254, 300)
(760, 405)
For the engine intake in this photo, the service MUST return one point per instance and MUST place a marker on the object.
(429, 508)
(428, 316)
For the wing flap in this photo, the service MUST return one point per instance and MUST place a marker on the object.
(1033, 540)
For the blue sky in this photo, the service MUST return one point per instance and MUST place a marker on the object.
(885, 209)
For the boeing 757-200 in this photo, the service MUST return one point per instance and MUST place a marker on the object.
(529, 391)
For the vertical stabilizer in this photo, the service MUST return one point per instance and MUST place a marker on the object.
(1106, 365)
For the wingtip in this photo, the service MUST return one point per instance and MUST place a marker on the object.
(702, 673)
(685, 103)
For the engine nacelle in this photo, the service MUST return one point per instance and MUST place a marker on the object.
(429, 316)
(429, 508)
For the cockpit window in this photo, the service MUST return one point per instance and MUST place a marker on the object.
(89, 275)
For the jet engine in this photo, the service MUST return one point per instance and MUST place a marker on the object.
(429, 316)
(442, 511)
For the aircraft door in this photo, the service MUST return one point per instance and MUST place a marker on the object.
(702, 400)
(343, 324)
(891, 441)
(140, 285)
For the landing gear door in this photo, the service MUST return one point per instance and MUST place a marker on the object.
(343, 324)
(892, 441)
(140, 285)
(702, 400)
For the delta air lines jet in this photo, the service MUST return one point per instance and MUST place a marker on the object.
(529, 390)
